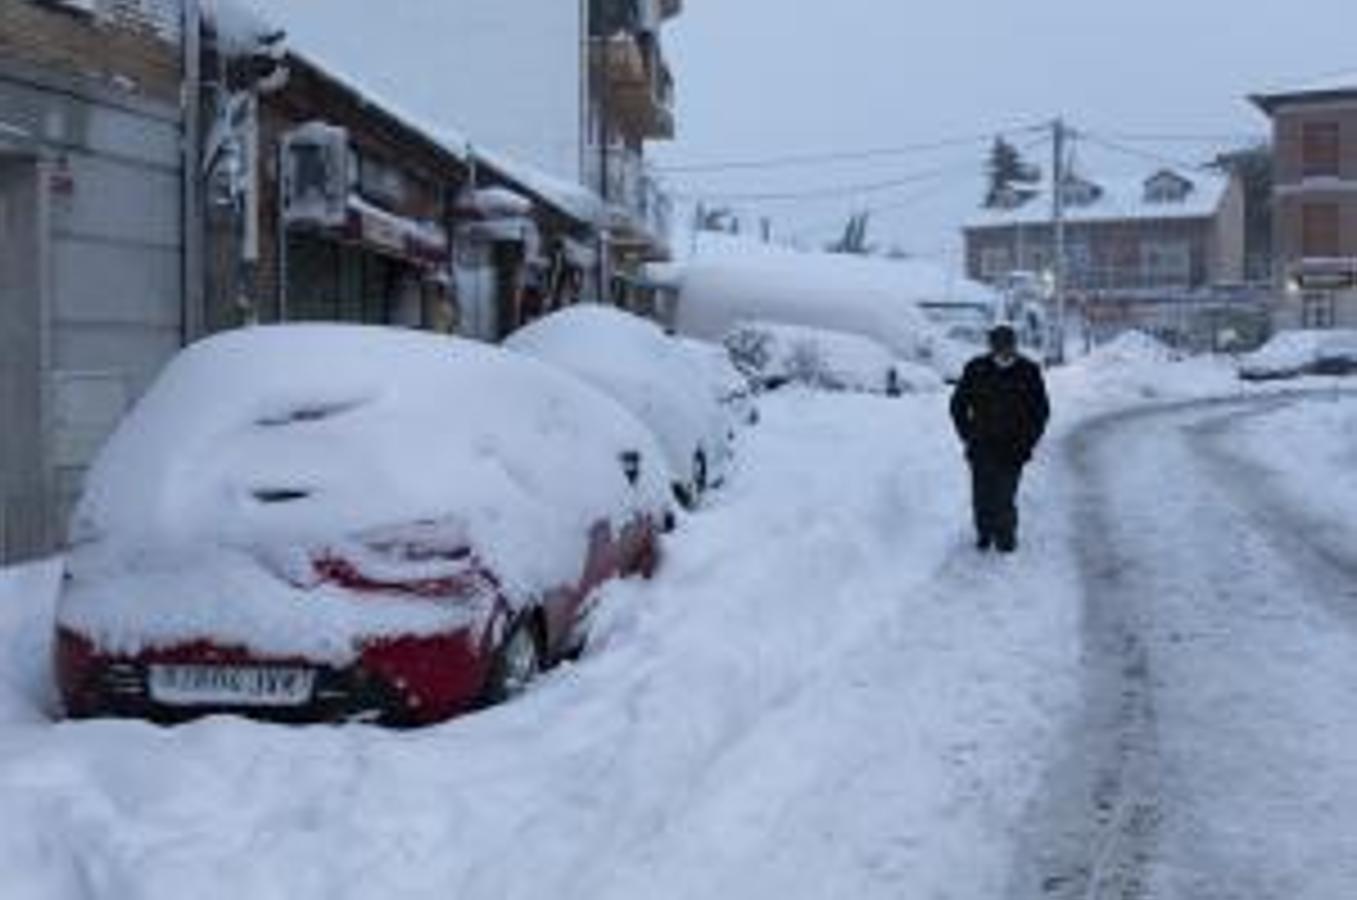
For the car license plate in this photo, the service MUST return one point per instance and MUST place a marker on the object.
(187, 685)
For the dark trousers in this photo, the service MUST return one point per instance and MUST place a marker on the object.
(994, 491)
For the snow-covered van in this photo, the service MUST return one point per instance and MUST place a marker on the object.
(772, 354)
(343, 522)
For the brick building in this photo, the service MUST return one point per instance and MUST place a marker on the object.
(1315, 202)
(1139, 251)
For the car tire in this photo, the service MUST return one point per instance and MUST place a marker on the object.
(701, 475)
(518, 661)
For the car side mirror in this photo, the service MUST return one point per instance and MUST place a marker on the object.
(631, 466)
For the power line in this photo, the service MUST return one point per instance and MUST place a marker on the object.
(1236, 137)
(910, 200)
(1160, 158)
(869, 187)
(806, 159)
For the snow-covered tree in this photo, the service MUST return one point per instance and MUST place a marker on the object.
(1010, 176)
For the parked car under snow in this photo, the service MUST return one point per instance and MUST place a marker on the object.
(1306, 352)
(339, 522)
(772, 355)
(726, 383)
(633, 361)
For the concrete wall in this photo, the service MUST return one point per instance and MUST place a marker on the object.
(107, 260)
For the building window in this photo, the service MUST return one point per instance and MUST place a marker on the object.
(995, 263)
(1079, 260)
(1166, 262)
(1038, 259)
(1320, 238)
(1321, 149)
(1318, 310)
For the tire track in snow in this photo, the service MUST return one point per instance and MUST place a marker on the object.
(1096, 829)
(1093, 828)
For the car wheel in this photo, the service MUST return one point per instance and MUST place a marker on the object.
(517, 662)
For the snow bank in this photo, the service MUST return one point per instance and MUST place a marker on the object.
(1129, 348)
(1316, 461)
(733, 280)
(27, 599)
(264, 445)
(822, 694)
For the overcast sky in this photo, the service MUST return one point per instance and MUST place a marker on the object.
(768, 78)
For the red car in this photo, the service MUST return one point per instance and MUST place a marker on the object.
(326, 523)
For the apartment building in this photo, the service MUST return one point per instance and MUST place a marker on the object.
(1315, 202)
(1139, 251)
(632, 103)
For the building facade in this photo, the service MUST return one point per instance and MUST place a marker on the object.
(631, 103)
(1315, 203)
(93, 296)
(1140, 252)
(572, 89)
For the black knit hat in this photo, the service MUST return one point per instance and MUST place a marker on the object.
(1003, 337)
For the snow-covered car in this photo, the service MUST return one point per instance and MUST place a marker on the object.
(329, 523)
(632, 360)
(1305, 352)
(771, 355)
(730, 388)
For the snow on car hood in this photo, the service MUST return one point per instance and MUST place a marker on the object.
(295, 436)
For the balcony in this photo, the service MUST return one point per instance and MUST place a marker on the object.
(639, 211)
(635, 85)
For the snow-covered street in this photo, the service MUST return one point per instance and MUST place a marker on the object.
(826, 693)
(1214, 757)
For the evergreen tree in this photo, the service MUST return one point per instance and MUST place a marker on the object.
(1009, 176)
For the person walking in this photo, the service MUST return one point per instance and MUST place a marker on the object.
(1000, 409)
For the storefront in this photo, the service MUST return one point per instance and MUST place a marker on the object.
(375, 268)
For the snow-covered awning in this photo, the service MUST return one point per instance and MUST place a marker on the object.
(495, 203)
(385, 232)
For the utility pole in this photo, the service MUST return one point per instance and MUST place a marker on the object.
(1059, 134)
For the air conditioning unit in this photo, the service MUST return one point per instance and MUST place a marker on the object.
(317, 175)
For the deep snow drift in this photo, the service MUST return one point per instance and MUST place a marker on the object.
(825, 693)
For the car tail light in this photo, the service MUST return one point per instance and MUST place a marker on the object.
(430, 560)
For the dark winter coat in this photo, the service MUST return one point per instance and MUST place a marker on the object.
(1000, 413)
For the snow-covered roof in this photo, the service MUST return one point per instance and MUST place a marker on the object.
(571, 198)
(1333, 84)
(1117, 199)
(415, 97)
